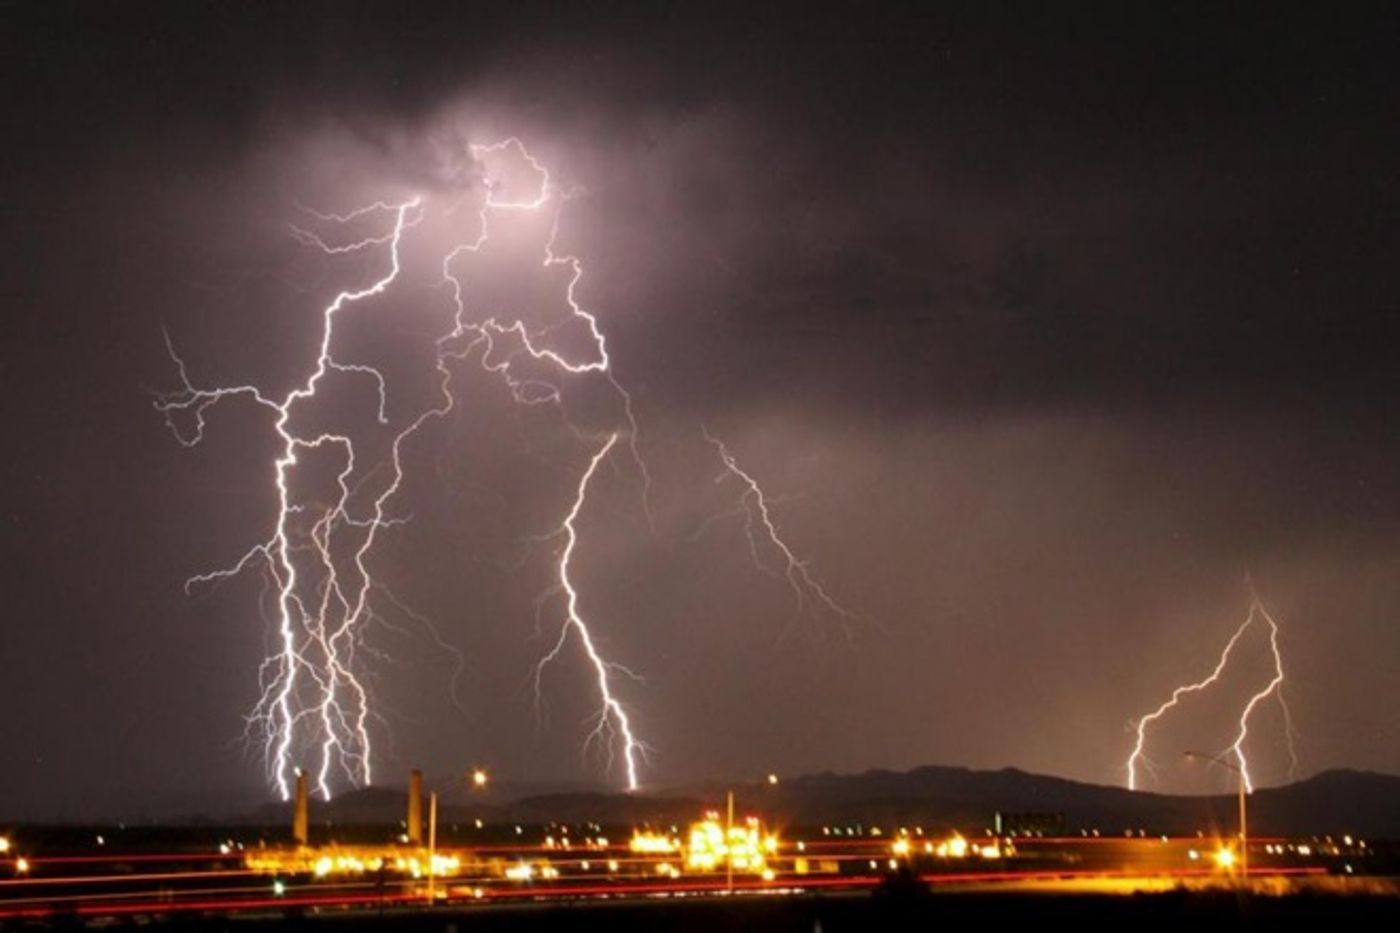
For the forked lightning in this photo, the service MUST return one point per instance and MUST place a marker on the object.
(1274, 688)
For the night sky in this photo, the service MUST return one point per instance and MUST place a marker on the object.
(1048, 331)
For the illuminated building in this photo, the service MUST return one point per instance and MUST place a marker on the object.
(744, 848)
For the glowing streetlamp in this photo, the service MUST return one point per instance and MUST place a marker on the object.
(478, 778)
(1225, 862)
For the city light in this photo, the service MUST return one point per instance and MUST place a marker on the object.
(743, 848)
(652, 843)
(524, 871)
(954, 847)
(335, 861)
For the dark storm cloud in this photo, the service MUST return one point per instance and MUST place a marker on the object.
(1057, 323)
(1000, 205)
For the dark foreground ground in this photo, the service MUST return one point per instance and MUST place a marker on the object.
(897, 910)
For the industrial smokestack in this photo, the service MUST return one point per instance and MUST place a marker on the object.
(415, 807)
(301, 812)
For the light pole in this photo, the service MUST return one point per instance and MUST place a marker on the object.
(1239, 772)
(728, 844)
(478, 779)
(432, 842)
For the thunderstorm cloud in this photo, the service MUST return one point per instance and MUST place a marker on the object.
(1048, 335)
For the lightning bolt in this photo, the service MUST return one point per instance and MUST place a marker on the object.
(758, 523)
(1273, 688)
(317, 636)
(612, 720)
(1257, 611)
(312, 701)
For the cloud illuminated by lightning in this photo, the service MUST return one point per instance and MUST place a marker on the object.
(1273, 688)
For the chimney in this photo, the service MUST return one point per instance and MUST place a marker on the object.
(300, 812)
(415, 807)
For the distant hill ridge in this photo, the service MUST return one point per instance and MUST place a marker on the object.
(1336, 801)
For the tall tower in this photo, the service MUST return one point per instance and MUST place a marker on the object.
(301, 810)
(415, 807)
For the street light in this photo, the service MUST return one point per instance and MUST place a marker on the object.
(1239, 772)
(478, 778)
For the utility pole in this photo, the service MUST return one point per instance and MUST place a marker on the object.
(728, 845)
(432, 843)
(1244, 845)
(1244, 830)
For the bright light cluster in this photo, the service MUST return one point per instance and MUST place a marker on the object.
(954, 846)
(527, 871)
(744, 847)
(650, 843)
(341, 861)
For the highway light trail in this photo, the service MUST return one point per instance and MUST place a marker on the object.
(1257, 612)
(231, 892)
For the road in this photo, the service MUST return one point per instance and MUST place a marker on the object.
(278, 881)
